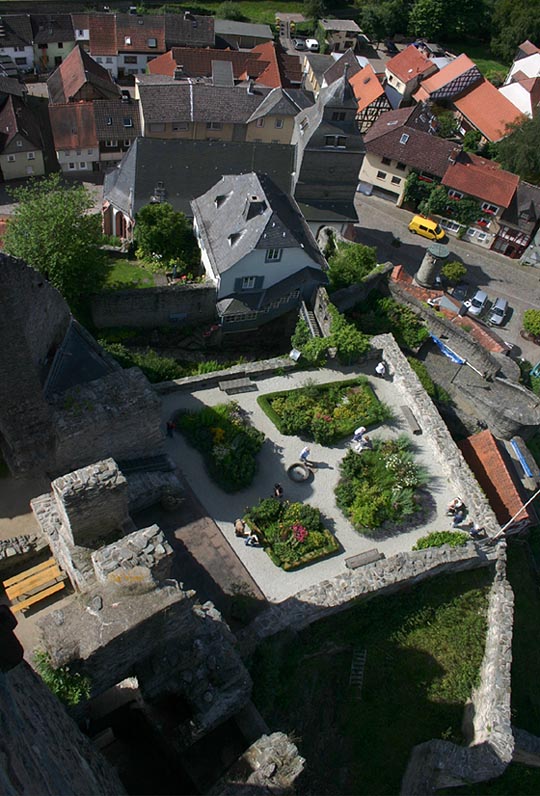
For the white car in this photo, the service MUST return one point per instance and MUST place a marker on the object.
(312, 45)
(478, 303)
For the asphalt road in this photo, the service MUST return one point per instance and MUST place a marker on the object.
(380, 222)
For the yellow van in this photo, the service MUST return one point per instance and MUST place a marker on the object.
(426, 227)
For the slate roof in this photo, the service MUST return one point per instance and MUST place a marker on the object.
(246, 212)
(78, 69)
(189, 29)
(73, 125)
(523, 212)
(11, 85)
(17, 30)
(409, 63)
(51, 28)
(189, 168)
(340, 24)
(493, 471)
(422, 150)
(227, 27)
(16, 118)
(283, 102)
(337, 69)
(319, 63)
(116, 119)
(366, 86)
(488, 110)
(483, 179)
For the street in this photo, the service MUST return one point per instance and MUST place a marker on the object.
(380, 222)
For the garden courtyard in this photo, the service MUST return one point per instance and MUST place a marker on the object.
(279, 451)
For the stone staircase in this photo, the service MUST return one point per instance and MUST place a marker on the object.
(358, 666)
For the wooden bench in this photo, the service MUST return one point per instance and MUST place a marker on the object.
(234, 386)
(411, 420)
(361, 559)
(34, 584)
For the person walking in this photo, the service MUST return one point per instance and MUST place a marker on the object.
(278, 491)
(380, 369)
(304, 455)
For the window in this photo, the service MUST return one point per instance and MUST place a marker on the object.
(339, 116)
(396, 180)
(80, 33)
(20, 61)
(401, 166)
(404, 138)
(79, 153)
(177, 126)
(487, 208)
(304, 124)
(381, 175)
(82, 165)
(130, 59)
(335, 140)
(89, 151)
(273, 255)
(127, 142)
(348, 44)
(482, 235)
(108, 60)
(30, 155)
(455, 194)
(279, 123)
(11, 158)
(451, 226)
(111, 142)
(248, 283)
(386, 161)
(99, 60)
(71, 166)
(214, 126)
(127, 39)
(128, 121)
(259, 122)
(60, 45)
(19, 143)
(67, 154)
(152, 42)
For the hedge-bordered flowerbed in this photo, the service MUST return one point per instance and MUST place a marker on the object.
(227, 442)
(292, 534)
(325, 412)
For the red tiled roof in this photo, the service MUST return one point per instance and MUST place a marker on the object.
(528, 48)
(409, 63)
(483, 179)
(77, 70)
(80, 21)
(102, 34)
(488, 110)
(139, 30)
(491, 467)
(454, 69)
(366, 86)
(73, 125)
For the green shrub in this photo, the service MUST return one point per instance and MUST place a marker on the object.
(325, 412)
(531, 321)
(379, 485)
(380, 314)
(230, 10)
(292, 534)
(350, 263)
(70, 687)
(439, 538)
(155, 367)
(454, 271)
(434, 391)
(227, 442)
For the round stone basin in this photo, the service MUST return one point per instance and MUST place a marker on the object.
(298, 472)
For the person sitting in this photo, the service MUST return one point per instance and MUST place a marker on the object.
(380, 369)
(459, 516)
(364, 444)
(455, 505)
(239, 527)
(278, 491)
(252, 540)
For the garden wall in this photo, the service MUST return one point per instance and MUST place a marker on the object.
(446, 454)
(262, 367)
(174, 305)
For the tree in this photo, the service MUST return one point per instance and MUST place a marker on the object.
(514, 21)
(53, 231)
(350, 264)
(531, 321)
(465, 211)
(230, 10)
(447, 122)
(416, 190)
(471, 141)
(314, 9)
(453, 271)
(519, 152)
(162, 232)
(384, 19)
(450, 18)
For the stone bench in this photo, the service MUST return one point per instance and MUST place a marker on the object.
(361, 559)
(234, 386)
(411, 420)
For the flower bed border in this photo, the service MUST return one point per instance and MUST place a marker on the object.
(333, 546)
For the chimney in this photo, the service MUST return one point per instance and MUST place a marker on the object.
(346, 70)
(188, 15)
(179, 71)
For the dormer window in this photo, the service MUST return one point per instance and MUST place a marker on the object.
(304, 124)
(339, 116)
(152, 42)
(234, 237)
(109, 121)
(219, 200)
(339, 141)
(127, 40)
(128, 121)
(404, 138)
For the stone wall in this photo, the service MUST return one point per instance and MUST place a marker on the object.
(382, 577)
(18, 552)
(446, 454)
(91, 501)
(42, 751)
(174, 305)
(144, 553)
(348, 297)
(118, 416)
(262, 367)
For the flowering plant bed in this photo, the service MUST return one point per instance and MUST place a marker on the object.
(379, 485)
(325, 412)
(227, 442)
(292, 534)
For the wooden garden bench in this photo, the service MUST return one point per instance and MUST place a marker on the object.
(233, 386)
(361, 559)
(34, 584)
(411, 420)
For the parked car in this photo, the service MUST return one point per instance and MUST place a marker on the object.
(426, 227)
(498, 312)
(478, 303)
(299, 44)
(459, 291)
(312, 45)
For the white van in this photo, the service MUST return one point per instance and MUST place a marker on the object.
(312, 45)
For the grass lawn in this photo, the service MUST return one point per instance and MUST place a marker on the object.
(259, 12)
(124, 274)
(480, 54)
(424, 648)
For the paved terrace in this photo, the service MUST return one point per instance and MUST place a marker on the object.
(277, 454)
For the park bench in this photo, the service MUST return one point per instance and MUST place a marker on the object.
(234, 386)
(411, 420)
(34, 584)
(361, 559)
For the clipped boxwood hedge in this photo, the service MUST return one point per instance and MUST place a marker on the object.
(325, 412)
